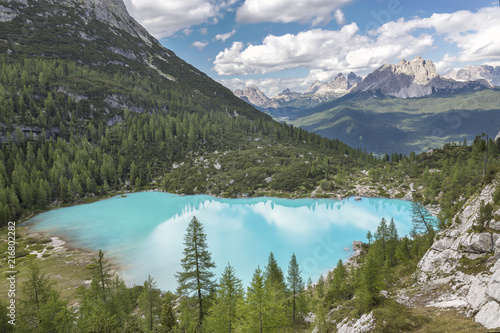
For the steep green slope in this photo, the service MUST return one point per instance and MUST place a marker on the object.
(382, 124)
(102, 35)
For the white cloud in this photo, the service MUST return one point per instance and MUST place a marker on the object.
(164, 18)
(284, 11)
(492, 63)
(199, 45)
(475, 34)
(319, 49)
(203, 31)
(226, 36)
(339, 17)
(327, 52)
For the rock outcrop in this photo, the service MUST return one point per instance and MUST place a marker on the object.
(415, 78)
(467, 263)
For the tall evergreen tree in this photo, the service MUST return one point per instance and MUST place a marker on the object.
(338, 288)
(196, 264)
(224, 312)
(105, 306)
(274, 274)
(262, 313)
(168, 320)
(370, 282)
(295, 282)
(150, 303)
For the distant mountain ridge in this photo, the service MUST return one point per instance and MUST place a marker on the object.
(407, 79)
(318, 92)
(411, 79)
(468, 73)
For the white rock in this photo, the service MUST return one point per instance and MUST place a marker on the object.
(478, 243)
(493, 289)
(364, 324)
(477, 295)
(455, 303)
(489, 315)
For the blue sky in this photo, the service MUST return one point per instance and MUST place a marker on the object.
(279, 44)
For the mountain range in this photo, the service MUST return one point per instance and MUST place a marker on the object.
(469, 73)
(404, 107)
(317, 93)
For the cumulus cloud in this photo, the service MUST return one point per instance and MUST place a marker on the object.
(339, 17)
(316, 11)
(475, 34)
(326, 50)
(226, 36)
(199, 45)
(164, 18)
(333, 51)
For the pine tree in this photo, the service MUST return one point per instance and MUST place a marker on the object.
(295, 282)
(224, 312)
(196, 264)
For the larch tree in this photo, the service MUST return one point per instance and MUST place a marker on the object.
(274, 274)
(40, 309)
(224, 312)
(150, 303)
(421, 219)
(295, 282)
(196, 276)
(262, 313)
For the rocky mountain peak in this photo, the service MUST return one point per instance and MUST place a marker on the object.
(252, 95)
(423, 71)
(470, 73)
(353, 78)
(415, 78)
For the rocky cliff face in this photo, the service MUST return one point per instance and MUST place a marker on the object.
(415, 78)
(466, 262)
(470, 73)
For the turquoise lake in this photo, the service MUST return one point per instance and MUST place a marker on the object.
(144, 232)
